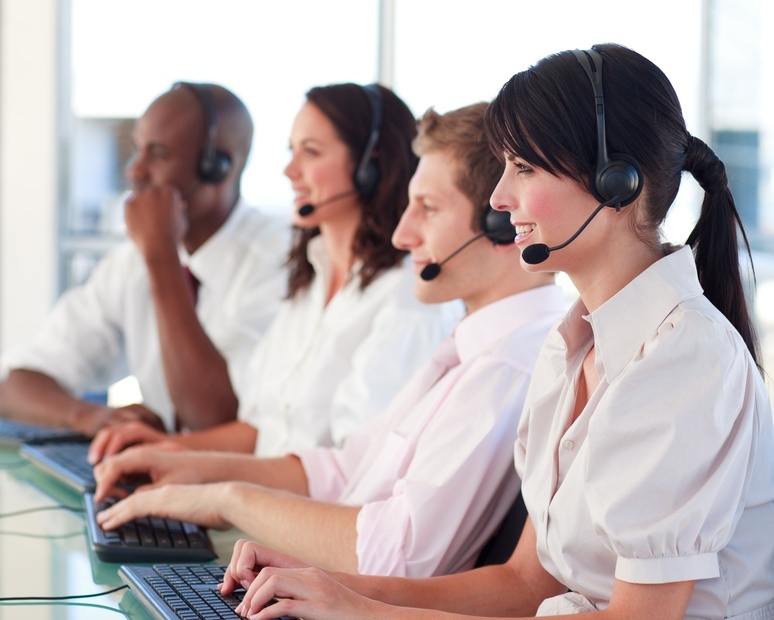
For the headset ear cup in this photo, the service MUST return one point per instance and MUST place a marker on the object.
(215, 168)
(620, 176)
(497, 227)
(367, 174)
(366, 178)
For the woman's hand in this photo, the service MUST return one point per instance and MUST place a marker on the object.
(247, 560)
(114, 438)
(308, 593)
(155, 466)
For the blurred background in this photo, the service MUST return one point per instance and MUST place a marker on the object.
(74, 74)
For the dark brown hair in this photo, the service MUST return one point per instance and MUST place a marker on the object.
(347, 106)
(545, 116)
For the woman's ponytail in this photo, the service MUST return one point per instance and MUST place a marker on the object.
(715, 242)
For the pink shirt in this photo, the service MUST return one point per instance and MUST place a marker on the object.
(433, 473)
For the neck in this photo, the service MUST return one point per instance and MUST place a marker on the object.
(338, 241)
(601, 278)
(200, 229)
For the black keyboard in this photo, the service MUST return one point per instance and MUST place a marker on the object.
(66, 461)
(13, 434)
(182, 591)
(150, 539)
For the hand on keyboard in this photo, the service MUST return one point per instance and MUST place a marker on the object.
(197, 503)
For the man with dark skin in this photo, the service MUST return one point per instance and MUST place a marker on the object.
(139, 309)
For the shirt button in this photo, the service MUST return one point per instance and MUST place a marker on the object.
(568, 445)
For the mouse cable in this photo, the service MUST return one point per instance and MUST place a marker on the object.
(9, 599)
(40, 509)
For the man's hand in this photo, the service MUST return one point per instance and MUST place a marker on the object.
(156, 220)
(197, 503)
(89, 418)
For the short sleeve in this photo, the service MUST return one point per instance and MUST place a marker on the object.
(668, 469)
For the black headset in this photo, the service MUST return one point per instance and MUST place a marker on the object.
(618, 175)
(214, 165)
(496, 226)
(367, 172)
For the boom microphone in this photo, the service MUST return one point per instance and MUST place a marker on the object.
(538, 252)
(433, 270)
(307, 209)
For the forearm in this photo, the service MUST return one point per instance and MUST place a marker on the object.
(284, 473)
(195, 371)
(321, 534)
(236, 436)
(513, 589)
(33, 397)
(481, 592)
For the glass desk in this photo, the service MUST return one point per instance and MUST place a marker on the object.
(45, 553)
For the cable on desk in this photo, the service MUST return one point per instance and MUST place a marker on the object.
(64, 604)
(19, 465)
(40, 509)
(41, 536)
(69, 597)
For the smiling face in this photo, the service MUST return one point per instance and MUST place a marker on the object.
(547, 209)
(320, 168)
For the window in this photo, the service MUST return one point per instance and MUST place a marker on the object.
(434, 53)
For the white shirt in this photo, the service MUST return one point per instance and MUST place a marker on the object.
(668, 473)
(106, 329)
(322, 370)
(434, 472)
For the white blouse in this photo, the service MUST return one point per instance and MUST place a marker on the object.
(322, 370)
(668, 473)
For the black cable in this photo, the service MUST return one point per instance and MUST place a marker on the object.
(40, 509)
(8, 599)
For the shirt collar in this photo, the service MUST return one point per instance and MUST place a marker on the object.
(478, 330)
(206, 263)
(625, 321)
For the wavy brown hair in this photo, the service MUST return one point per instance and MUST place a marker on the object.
(347, 106)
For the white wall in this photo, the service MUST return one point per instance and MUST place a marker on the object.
(28, 181)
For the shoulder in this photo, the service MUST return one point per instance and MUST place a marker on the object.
(393, 290)
(521, 347)
(123, 261)
(696, 331)
(252, 225)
